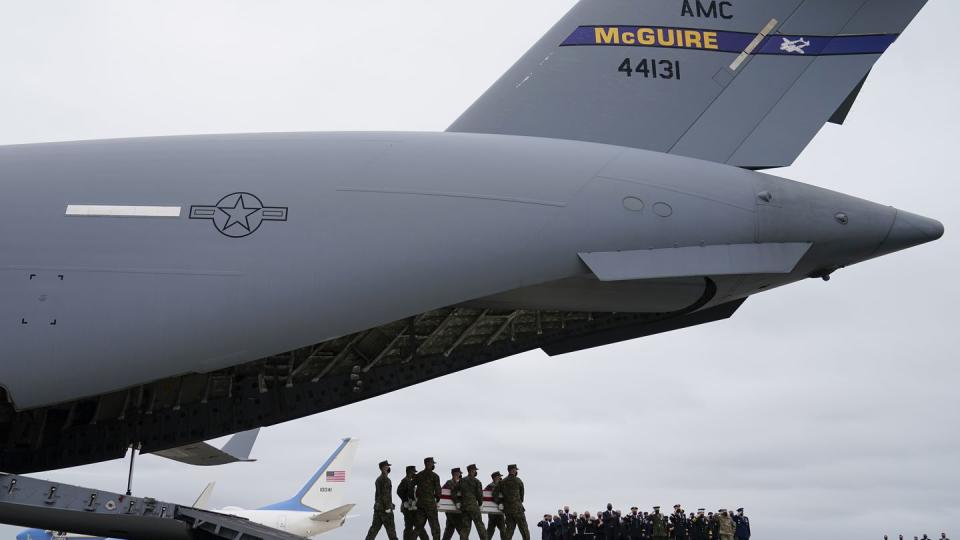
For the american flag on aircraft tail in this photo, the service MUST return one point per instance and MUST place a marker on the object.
(336, 476)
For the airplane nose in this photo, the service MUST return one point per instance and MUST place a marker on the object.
(910, 230)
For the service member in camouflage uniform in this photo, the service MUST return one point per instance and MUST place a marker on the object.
(511, 488)
(659, 530)
(426, 485)
(454, 519)
(408, 505)
(471, 499)
(495, 521)
(725, 526)
(383, 505)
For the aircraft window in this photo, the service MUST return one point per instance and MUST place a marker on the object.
(633, 204)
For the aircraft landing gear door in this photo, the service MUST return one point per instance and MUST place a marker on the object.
(282, 521)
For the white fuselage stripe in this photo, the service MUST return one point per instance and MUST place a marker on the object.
(100, 210)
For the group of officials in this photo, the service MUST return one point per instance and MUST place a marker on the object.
(612, 525)
(419, 493)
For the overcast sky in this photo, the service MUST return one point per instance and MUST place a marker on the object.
(828, 410)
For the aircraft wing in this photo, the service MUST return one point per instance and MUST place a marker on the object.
(335, 516)
(237, 449)
(746, 83)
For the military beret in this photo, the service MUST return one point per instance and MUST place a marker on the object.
(384, 463)
(429, 460)
(496, 474)
(411, 468)
(513, 466)
(471, 467)
(456, 470)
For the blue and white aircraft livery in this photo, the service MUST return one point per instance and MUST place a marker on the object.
(317, 508)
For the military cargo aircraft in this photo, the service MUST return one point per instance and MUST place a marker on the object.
(161, 291)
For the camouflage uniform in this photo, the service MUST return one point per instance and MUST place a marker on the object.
(513, 511)
(658, 526)
(454, 519)
(471, 498)
(407, 498)
(427, 489)
(725, 526)
(495, 521)
(383, 508)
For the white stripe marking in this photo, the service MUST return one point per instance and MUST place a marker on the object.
(754, 44)
(100, 210)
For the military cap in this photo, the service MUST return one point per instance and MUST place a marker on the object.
(411, 468)
(496, 474)
(722, 510)
(634, 508)
(456, 470)
(701, 510)
(739, 509)
(471, 467)
(656, 507)
(384, 463)
(676, 506)
(429, 460)
(513, 466)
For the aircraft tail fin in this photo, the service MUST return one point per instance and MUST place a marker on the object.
(326, 487)
(203, 500)
(337, 515)
(747, 83)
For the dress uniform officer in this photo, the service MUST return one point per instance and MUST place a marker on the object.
(699, 529)
(471, 499)
(427, 491)
(635, 528)
(713, 525)
(383, 505)
(513, 511)
(495, 521)
(678, 523)
(742, 526)
(454, 519)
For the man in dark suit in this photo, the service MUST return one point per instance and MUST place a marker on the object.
(545, 523)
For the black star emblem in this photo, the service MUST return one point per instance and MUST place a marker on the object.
(239, 214)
